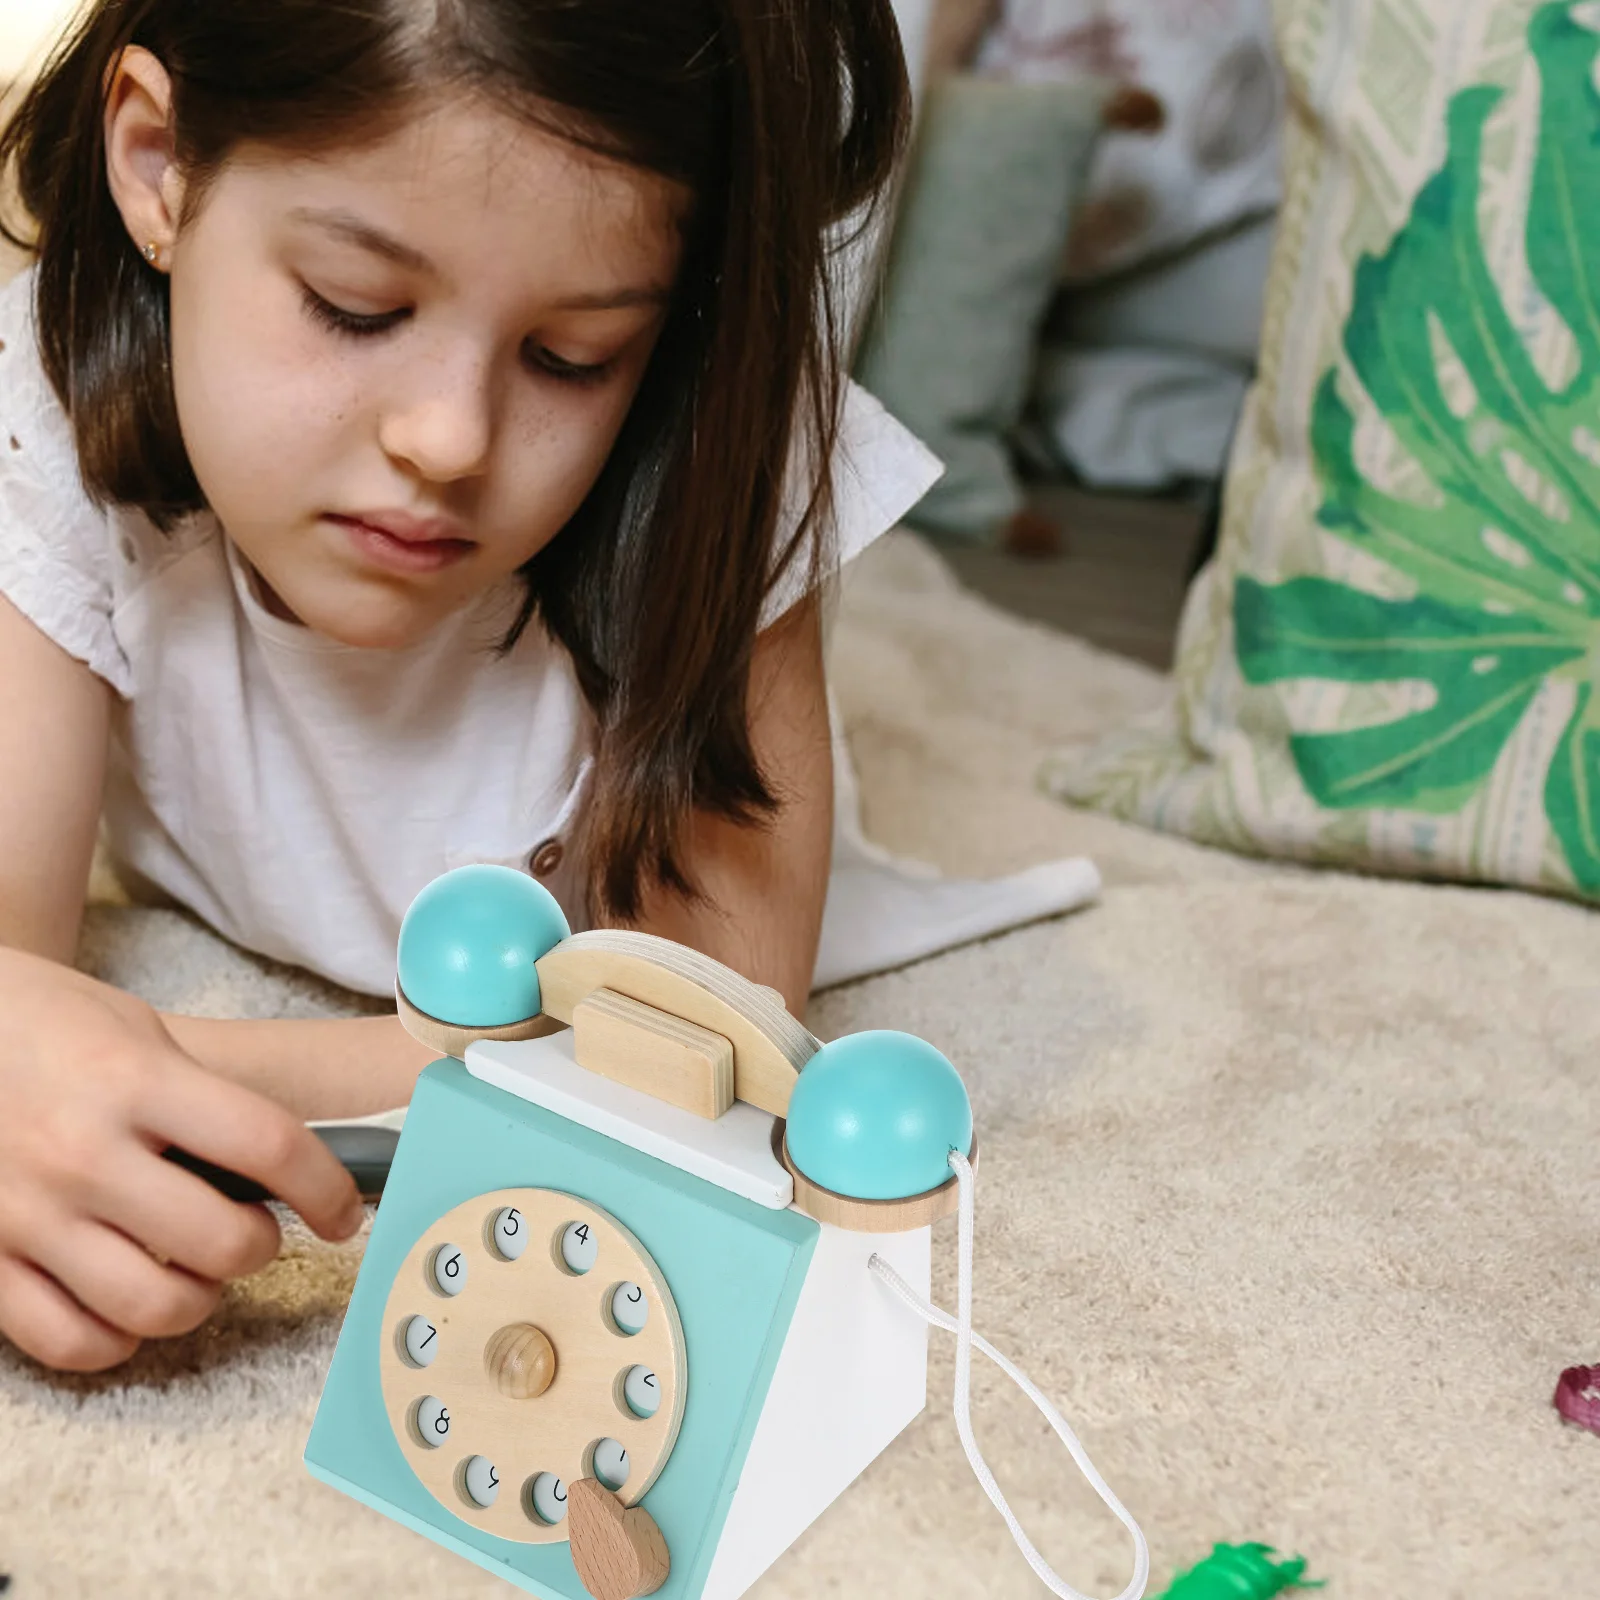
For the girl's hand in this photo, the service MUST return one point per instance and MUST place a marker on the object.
(103, 1243)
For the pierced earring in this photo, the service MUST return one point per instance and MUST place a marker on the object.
(151, 251)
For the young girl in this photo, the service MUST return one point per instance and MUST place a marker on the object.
(419, 440)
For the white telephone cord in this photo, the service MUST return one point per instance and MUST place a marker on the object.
(966, 1339)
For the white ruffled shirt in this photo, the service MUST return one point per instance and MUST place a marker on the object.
(294, 792)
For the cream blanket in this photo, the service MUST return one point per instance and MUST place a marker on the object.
(1288, 1198)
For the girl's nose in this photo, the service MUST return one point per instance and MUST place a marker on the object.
(443, 431)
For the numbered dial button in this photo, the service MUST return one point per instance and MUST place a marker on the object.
(510, 1232)
(433, 1421)
(548, 1496)
(641, 1391)
(611, 1463)
(448, 1270)
(421, 1341)
(579, 1247)
(629, 1308)
(482, 1482)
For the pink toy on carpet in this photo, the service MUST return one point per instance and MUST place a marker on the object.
(1577, 1397)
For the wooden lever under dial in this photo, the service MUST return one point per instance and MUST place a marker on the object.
(619, 1552)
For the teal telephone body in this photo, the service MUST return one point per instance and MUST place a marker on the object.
(615, 1331)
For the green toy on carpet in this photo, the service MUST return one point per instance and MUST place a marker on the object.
(1239, 1572)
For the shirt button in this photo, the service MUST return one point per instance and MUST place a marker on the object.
(545, 858)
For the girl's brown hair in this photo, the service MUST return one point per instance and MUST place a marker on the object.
(783, 118)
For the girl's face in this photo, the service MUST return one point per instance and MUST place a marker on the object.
(399, 369)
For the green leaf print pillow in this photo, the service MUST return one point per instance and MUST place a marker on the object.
(1393, 660)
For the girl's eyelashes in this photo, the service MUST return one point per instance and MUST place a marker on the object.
(358, 324)
(547, 361)
(355, 323)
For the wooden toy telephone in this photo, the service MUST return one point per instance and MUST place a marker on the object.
(622, 1323)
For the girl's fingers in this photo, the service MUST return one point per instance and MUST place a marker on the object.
(42, 1320)
(110, 1276)
(251, 1135)
(181, 1219)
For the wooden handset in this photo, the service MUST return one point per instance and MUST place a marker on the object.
(666, 1019)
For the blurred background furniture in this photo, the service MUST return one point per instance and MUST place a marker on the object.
(987, 203)
(1108, 278)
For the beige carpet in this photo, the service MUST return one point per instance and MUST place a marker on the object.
(1289, 1198)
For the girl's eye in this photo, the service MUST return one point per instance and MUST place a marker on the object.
(358, 324)
(567, 371)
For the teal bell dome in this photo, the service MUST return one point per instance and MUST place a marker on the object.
(468, 944)
(875, 1116)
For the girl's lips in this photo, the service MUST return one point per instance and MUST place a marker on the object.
(386, 549)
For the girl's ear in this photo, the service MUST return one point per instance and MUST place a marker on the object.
(141, 155)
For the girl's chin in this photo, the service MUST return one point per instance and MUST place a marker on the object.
(391, 634)
(363, 620)
(362, 610)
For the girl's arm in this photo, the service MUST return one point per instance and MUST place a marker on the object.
(765, 886)
(318, 1067)
(54, 723)
(102, 1242)
(762, 913)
